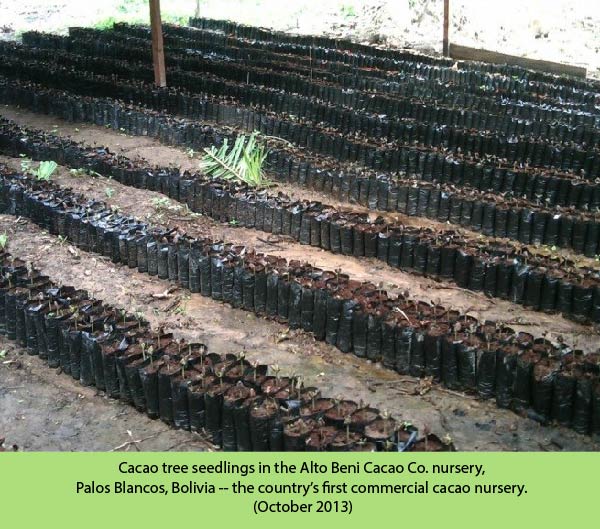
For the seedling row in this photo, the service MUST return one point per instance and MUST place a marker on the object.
(499, 270)
(407, 335)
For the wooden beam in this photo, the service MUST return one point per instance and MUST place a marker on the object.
(474, 54)
(158, 51)
(446, 24)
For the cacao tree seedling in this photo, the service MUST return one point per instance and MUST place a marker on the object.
(183, 363)
(139, 316)
(276, 369)
(347, 423)
(151, 355)
(220, 375)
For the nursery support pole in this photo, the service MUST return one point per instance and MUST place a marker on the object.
(158, 52)
(446, 23)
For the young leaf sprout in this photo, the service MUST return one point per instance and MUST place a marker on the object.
(221, 374)
(139, 316)
(183, 363)
(385, 416)
(347, 423)
(150, 354)
(276, 370)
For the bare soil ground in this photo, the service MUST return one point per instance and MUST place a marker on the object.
(42, 410)
(29, 391)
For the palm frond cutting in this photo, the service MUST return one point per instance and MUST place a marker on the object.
(242, 162)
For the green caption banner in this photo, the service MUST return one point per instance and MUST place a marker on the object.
(249, 490)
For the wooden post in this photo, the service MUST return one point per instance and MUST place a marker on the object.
(158, 52)
(446, 23)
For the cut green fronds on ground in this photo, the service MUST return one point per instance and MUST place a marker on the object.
(45, 170)
(243, 162)
(3, 240)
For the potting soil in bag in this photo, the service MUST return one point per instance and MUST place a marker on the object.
(450, 362)
(272, 282)
(163, 261)
(216, 280)
(295, 305)
(466, 355)
(388, 344)
(432, 344)
(404, 343)
(307, 308)
(541, 389)
(319, 314)
(486, 373)
(165, 397)
(344, 332)
(183, 265)
(237, 299)
(86, 376)
(179, 393)
(283, 298)
(152, 253)
(562, 398)
(359, 333)
(374, 337)
(260, 290)
(133, 369)
(73, 346)
(582, 405)
(52, 326)
(228, 282)
(522, 381)
(213, 402)
(417, 355)
(241, 416)
(197, 410)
